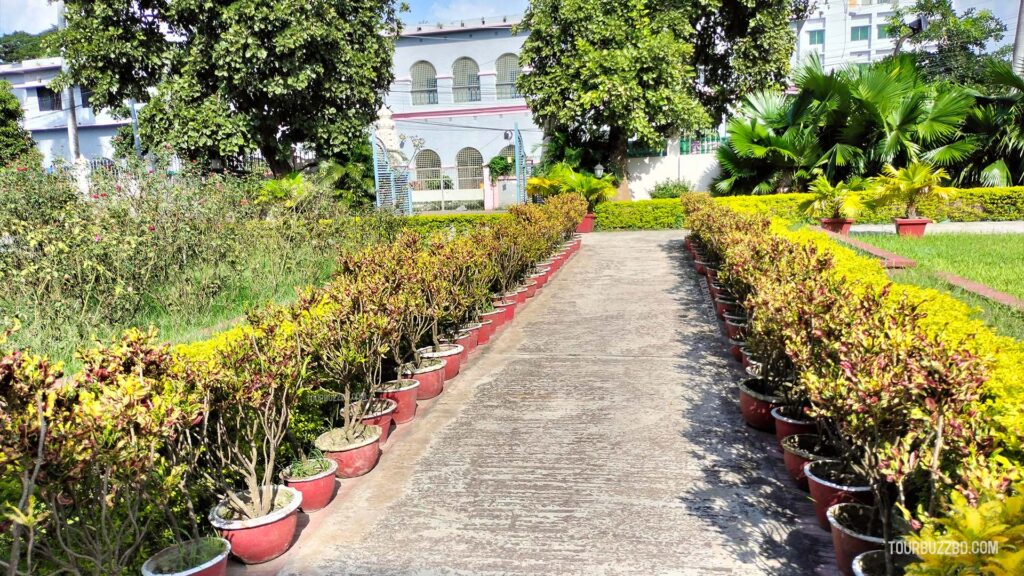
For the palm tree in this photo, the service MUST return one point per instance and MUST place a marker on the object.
(910, 186)
(996, 126)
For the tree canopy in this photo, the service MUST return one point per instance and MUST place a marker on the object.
(18, 46)
(223, 79)
(612, 67)
(15, 141)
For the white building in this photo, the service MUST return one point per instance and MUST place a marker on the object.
(843, 32)
(455, 106)
(46, 116)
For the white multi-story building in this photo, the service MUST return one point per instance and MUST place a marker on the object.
(46, 112)
(455, 106)
(843, 32)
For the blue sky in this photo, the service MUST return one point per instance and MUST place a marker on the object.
(37, 15)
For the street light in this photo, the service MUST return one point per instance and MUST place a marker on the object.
(599, 170)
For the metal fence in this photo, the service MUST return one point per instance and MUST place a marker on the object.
(706, 145)
(447, 188)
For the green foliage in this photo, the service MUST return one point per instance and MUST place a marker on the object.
(454, 224)
(951, 46)
(501, 166)
(235, 78)
(908, 187)
(671, 189)
(598, 65)
(352, 180)
(741, 47)
(15, 141)
(658, 214)
(18, 46)
(560, 178)
(840, 201)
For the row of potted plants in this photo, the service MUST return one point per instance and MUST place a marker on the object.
(107, 465)
(881, 420)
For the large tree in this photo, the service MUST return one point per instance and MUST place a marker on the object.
(223, 78)
(614, 67)
(948, 45)
(15, 141)
(740, 46)
(18, 46)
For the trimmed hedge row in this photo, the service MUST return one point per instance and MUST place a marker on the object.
(461, 223)
(963, 205)
(658, 214)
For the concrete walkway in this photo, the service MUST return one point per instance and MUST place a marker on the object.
(1010, 227)
(599, 435)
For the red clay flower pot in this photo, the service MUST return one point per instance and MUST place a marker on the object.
(404, 393)
(531, 288)
(828, 489)
(725, 305)
(496, 318)
(520, 296)
(450, 353)
(837, 225)
(849, 540)
(913, 227)
(508, 307)
(587, 224)
(468, 339)
(736, 349)
(317, 490)
(735, 328)
(216, 566)
(485, 333)
(756, 404)
(261, 539)
(799, 449)
(431, 378)
(355, 459)
(790, 420)
(872, 563)
(382, 416)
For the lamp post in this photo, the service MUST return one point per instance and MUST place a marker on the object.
(599, 171)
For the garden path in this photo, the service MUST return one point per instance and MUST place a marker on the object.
(599, 435)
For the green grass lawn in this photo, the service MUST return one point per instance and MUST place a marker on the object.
(996, 260)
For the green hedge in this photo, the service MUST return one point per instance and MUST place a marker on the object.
(963, 205)
(639, 215)
(459, 222)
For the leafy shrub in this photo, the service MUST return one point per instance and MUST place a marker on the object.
(450, 223)
(639, 215)
(671, 189)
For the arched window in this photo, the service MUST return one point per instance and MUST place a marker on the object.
(466, 80)
(428, 170)
(471, 169)
(508, 72)
(424, 83)
(508, 153)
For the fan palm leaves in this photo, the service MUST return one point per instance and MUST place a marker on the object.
(910, 185)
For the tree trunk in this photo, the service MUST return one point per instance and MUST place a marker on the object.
(279, 162)
(618, 140)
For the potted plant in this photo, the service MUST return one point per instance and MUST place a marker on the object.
(834, 482)
(835, 206)
(404, 394)
(313, 477)
(799, 449)
(561, 178)
(198, 557)
(909, 187)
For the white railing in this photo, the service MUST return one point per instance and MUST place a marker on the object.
(447, 188)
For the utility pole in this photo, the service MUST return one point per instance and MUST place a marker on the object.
(137, 141)
(71, 117)
(1018, 45)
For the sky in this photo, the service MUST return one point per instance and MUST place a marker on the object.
(37, 15)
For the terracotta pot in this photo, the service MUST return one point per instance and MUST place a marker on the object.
(711, 272)
(827, 491)
(450, 353)
(531, 288)
(469, 338)
(848, 540)
(382, 417)
(261, 539)
(713, 287)
(736, 349)
(911, 226)
(540, 279)
(735, 328)
(520, 296)
(756, 404)
(698, 265)
(587, 225)
(872, 563)
(486, 331)
(496, 318)
(508, 307)
(790, 420)
(431, 379)
(356, 459)
(725, 305)
(216, 566)
(837, 225)
(317, 490)
(404, 395)
(799, 449)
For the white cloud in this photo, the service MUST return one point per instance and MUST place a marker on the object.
(454, 10)
(28, 15)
